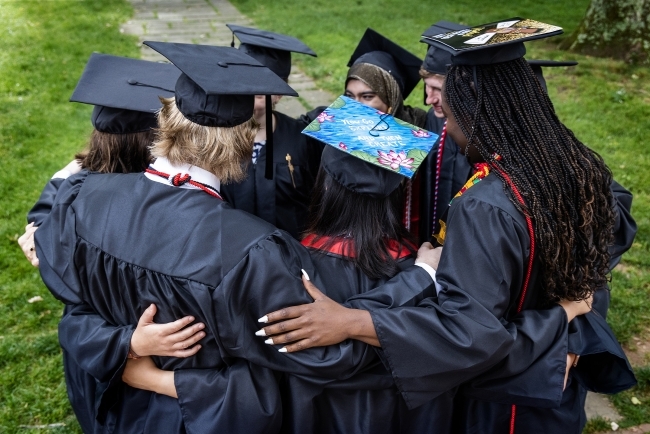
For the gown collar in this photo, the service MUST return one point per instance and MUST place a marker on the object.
(162, 164)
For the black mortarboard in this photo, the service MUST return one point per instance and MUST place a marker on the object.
(438, 60)
(358, 175)
(124, 91)
(380, 51)
(537, 65)
(218, 85)
(491, 43)
(272, 50)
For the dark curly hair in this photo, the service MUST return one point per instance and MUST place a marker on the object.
(502, 110)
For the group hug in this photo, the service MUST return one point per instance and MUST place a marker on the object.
(223, 272)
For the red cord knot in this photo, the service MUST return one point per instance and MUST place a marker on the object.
(178, 179)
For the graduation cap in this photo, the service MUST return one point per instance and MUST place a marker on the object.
(437, 60)
(358, 175)
(371, 151)
(380, 51)
(537, 65)
(496, 42)
(124, 91)
(218, 85)
(272, 50)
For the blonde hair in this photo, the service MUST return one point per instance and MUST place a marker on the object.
(426, 74)
(223, 151)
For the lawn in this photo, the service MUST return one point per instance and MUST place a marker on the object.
(45, 47)
(46, 44)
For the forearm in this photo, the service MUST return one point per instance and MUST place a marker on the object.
(166, 384)
(161, 382)
(361, 328)
(143, 374)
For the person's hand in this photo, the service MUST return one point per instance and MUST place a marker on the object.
(321, 323)
(143, 374)
(577, 308)
(571, 362)
(429, 255)
(26, 243)
(174, 339)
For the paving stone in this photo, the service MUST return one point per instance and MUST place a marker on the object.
(598, 405)
(204, 22)
(290, 106)
(317, 97)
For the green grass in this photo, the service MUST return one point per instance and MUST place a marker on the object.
(45, 47)
(46, 44)
(596, 425)
(605, 102)
(635, 414)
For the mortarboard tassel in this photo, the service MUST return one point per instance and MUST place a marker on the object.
(268, 174)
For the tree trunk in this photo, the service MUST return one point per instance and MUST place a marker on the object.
(614, 28)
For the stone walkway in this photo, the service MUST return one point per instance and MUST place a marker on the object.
(204, 22)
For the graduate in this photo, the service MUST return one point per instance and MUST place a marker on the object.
(362, 201)
(500, 248)
(113, 244)
(382, 75)
(453, 169)
(445, 170)
(125, 94)
(356, 235)
(276, 189)
(552, 209)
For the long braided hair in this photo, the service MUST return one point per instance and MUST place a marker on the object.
(503, 110)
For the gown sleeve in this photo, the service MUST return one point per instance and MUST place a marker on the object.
(624, 226)
(432, 347)
(43, 205)
(532, 374)
(241, 397)
(268, 278)
(55, 242)
(98, 348)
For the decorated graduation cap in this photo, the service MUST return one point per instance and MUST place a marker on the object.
(537, 66)
(272, 50)
(380, 51)
(217, 86)
(491, 43)
(437, 59)
(371, 151)
(124, 92)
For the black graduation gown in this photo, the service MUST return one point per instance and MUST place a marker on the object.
(485, 256)
(603, 367)
(369, 402)
(277, 200)
(100, 252)
(455, 170)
